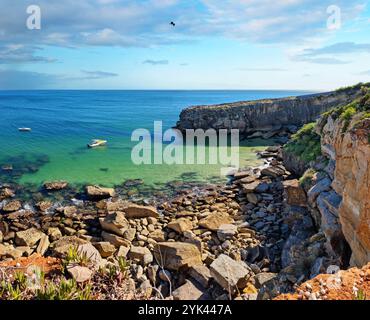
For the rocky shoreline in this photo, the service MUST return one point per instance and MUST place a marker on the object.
(220, 242)
(240, 225)
(261, 235)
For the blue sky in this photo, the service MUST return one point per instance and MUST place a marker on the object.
(228, 44)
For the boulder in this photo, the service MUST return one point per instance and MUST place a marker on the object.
(230, 274)
(130, 234)
(295, 195)
(157, 235)
(201, 274)
(181, 225)
(43, 245)
(115, 223)
(251, 187)
(321, 186)
(264, 278)
(106, 249)
(79, 274)
(227, 231)
(115, 240)
(252, 198)
(176, 255)
(28, 237)
(10, 252)
(12, 206)
(55, 185)
(54, 233)
(141, 254)
(63, 245)
(6, 193)
(98, 193)
(91, 253)
(123, 251)
(137, 212)
(273, 171)
(188, 291)
(214, 220)
(44, 205)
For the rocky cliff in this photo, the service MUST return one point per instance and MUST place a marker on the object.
(264, 115)
(346, 141)
(338, 185)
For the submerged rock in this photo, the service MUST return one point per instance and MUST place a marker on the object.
(12, 206)
(55, 185)
(98, 193)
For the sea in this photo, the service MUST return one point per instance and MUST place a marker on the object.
(64, 122)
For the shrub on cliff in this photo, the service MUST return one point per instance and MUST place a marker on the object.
(305, 144)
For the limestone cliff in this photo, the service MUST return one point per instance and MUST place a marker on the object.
(338, 186)
(347, 143)
(264, 115)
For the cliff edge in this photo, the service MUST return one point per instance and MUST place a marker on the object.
(264, 115)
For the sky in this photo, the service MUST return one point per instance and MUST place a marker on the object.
(215, 44)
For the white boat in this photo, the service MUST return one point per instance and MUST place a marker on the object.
(24, 129)
(97, 143)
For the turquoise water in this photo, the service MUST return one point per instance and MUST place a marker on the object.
(63, 122)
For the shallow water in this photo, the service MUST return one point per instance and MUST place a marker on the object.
(63, 122)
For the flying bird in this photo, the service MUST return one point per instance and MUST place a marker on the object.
(173, 24)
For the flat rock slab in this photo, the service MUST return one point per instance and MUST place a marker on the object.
(98, 193)
(180, 225)
(227, 231)
(176, 255)
(141, 254)
(230, 274)
(115, 240)
(63, 245)
(28, 237)
(55, 185)
(189, 291)
(201, 274)
(135, 211)
(79, 274)
(215, 220)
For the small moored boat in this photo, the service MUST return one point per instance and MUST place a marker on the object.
(24, 129)
(97, 143)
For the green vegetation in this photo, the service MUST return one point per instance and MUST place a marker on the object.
(347, 112)
(305, 144)
(64, 290)
(360, 295)
(75, 257)
(306, 180)
(354, 87)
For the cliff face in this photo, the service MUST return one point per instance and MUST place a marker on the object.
(263, 115)
(347, 143)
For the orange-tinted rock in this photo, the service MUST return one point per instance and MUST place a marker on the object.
(351, 150)
(295, 195)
